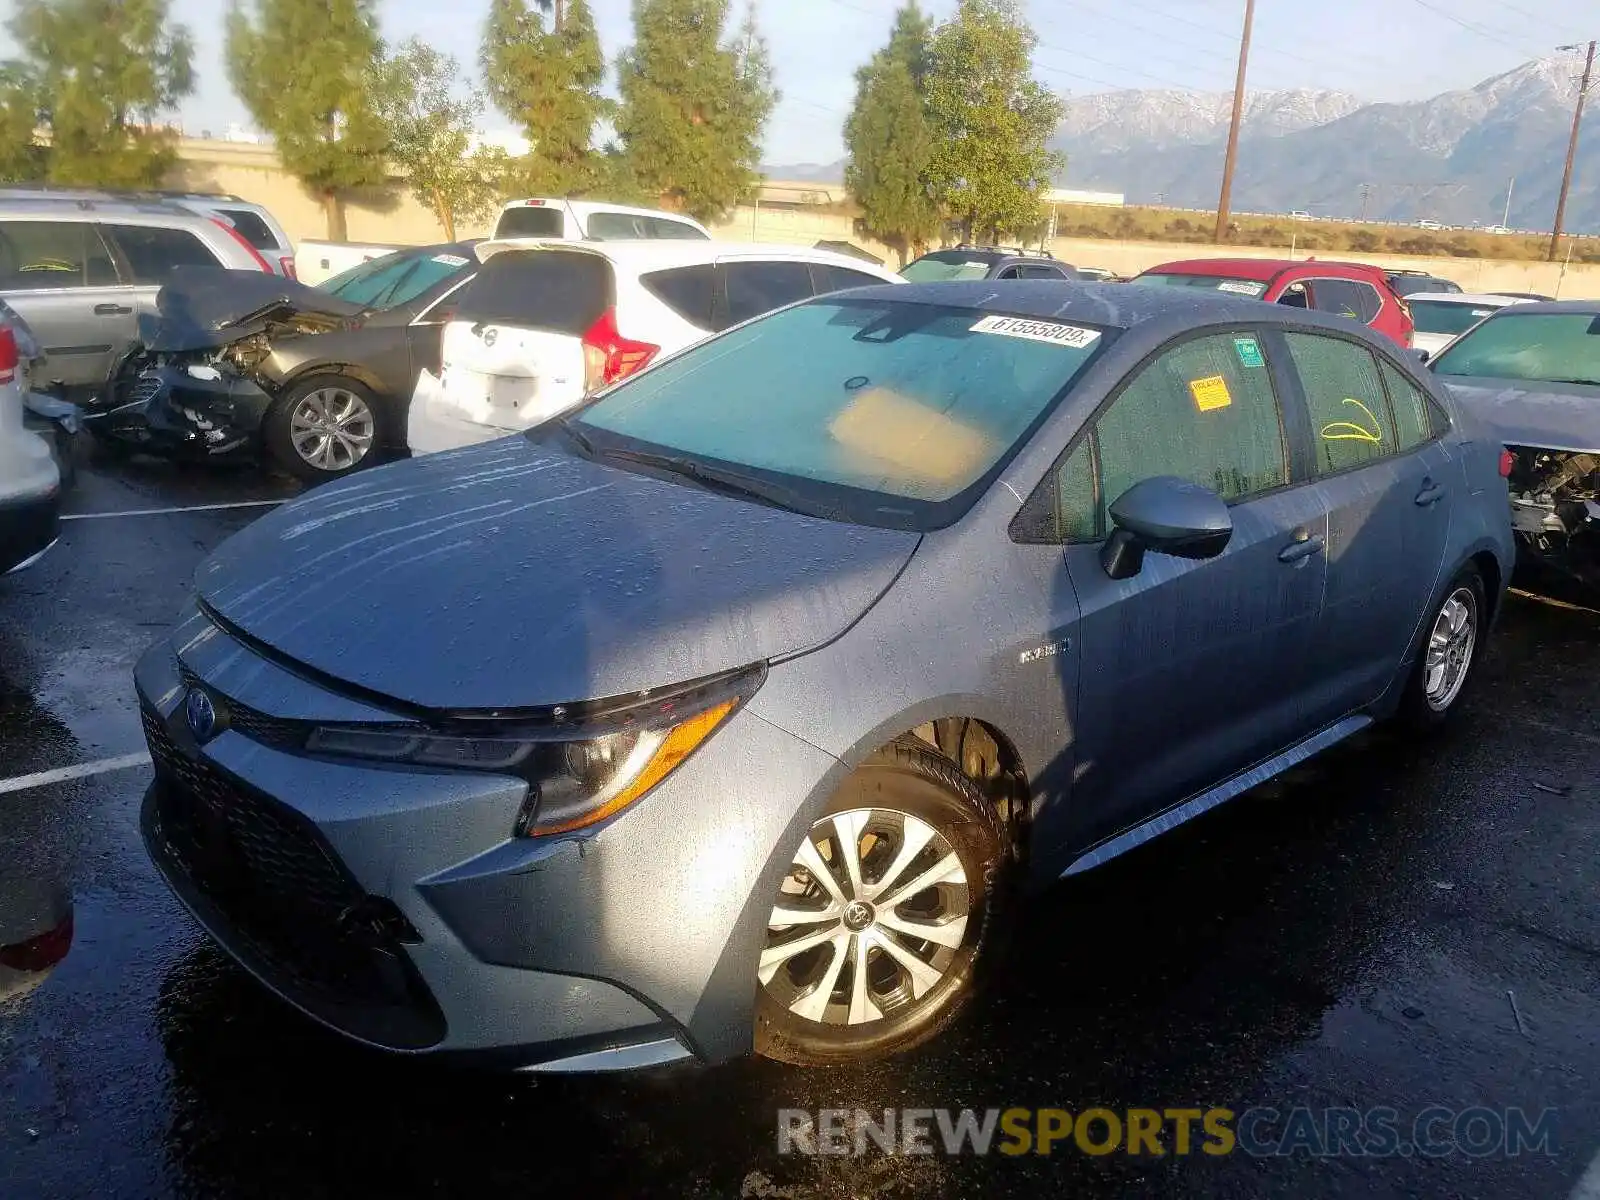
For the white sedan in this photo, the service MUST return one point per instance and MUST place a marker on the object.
(1441, 316)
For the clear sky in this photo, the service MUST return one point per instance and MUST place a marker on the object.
(1378, 49)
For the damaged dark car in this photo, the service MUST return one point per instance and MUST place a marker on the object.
(1532, 373)
(316, 380)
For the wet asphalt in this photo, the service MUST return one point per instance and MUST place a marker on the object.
(1345, 937)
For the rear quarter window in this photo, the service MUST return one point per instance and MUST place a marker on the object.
(686, 291)
(556, 291)
(252, 228)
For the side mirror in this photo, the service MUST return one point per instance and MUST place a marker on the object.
(1168, 515)
(1421, 355)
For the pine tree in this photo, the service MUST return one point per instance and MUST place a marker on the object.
(97, 75)
(991, 119)
(545, 75)
(888, 140)
(694, 105)
(306, 70)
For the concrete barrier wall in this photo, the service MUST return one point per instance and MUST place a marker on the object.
(253, 172)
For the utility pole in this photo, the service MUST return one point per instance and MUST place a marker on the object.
(1505, 221)
(1225, 201)
(1366, 194)
(1572, 152)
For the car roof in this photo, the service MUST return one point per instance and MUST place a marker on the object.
(60, 208)
(1262, 269)
(586, 207)
(661, 253)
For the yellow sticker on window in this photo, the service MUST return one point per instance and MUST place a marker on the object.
(1210, 393)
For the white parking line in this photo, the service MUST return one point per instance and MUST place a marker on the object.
(1589, 1186)
(23, 783)
(167, 512)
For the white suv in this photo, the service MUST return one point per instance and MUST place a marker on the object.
(547, 322)
(592, 221)
(30, 486)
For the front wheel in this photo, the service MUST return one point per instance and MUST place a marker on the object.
(885, 916)
(323, 428)
(1451, 640)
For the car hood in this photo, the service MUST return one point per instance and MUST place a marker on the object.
(1551, 416)
(209, 306)
(513, 575)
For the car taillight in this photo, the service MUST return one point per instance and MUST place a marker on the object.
(8, 355)
(608, 356)
(1507, 461)
(287, 263)
(240, 238)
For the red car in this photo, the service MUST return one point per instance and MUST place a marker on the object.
(1352, 290)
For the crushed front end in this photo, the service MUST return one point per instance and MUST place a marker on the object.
(1555, 509)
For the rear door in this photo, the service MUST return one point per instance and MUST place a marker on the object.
(60, 277)
(513, 355)
(1389, 486)
(147, 255)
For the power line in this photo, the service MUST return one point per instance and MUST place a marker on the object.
(1481, 30)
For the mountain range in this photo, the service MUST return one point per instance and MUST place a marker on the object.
(1448, 159)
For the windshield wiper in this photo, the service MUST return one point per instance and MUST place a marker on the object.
(572, 431)
(713, 479)
(1583, 382)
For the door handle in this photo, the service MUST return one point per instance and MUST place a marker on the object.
(111, 310)
(1301, 547)
(1431, 493)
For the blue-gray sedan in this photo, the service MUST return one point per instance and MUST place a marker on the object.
(730, 710)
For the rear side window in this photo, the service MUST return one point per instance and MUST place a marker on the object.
(252, 228)
(836, 279)
(616, 226)
(1344, 392)
(529, 221)
(551, 290)
(1416, 418)
(685, 290)
(759, 287)
(42, 255)
(153, 253)
(1344, 298)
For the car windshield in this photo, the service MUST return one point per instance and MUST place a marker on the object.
(396, 278)
(943, 265)
(873, 411)
(1538, 347)
(1210, 283)
(1442, 316)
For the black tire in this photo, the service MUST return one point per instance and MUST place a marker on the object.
(276, 428)
(105, 451)
(904, 780)
(1425, 711)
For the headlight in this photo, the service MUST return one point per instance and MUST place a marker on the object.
(582, 765)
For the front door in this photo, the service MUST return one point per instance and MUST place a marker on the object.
(59, 276)
(1190, 671)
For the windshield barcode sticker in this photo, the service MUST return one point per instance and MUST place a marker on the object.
(1074, 336)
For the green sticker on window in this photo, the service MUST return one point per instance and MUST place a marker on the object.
(1249, 352)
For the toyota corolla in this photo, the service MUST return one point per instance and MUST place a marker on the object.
(730, 710)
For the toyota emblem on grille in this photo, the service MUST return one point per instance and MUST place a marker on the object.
(202, 714)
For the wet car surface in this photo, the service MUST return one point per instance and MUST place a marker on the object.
(1346, 936)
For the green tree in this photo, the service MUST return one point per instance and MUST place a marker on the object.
(888, 142)
(991, 119)
(431, 123)
(694, 105)
(97, 76)
(543, 70)
(306, 70)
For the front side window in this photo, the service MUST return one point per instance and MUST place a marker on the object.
(829, 278)
(874, 411)
(153, 253)
(759, 287)
(44, 255)
(1344, 393)
(1205, 411)
(1536, 347)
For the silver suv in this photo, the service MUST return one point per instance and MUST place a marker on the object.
(81, 271)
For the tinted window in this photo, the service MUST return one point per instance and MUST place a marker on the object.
(1416, 418)
(1342, 297)
(1371, 304)
(38, 255)
(152, 253)
(552, 290)
(1077, 515)
(685, 290)
(396, 278)
(1349, 416)
(615, 226)
(1444, 316)
(1205, 411)
(1010, 273)
(1548, 347)
(838, 279)
(1040, 271)
(759, 287)
(1213, 283)
(252, 228)
(528, 221)
(947, 264)
(884, 410)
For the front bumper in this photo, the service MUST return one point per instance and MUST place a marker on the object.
(169, 412)
(415, 922)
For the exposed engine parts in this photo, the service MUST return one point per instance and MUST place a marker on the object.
(1555, 511)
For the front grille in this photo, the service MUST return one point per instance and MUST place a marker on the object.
(262, 878)
(281, 733)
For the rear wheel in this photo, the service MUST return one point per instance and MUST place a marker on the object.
(885, 916)
(1449, 650)
(325, 427)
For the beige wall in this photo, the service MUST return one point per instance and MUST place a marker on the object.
(253, 173)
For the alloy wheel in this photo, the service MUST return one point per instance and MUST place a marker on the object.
(869, 919)
(1449, 651)
(332, 429)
